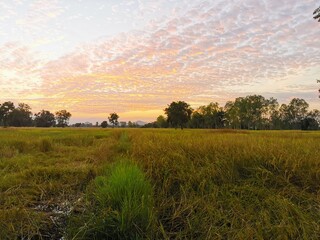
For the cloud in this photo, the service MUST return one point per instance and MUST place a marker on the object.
(19, 70)
(39, 13)
(205, 51)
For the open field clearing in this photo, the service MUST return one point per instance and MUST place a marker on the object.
(159, 184)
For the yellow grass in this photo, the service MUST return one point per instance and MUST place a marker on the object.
(207, 184)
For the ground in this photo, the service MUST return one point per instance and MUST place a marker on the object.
(206, 184)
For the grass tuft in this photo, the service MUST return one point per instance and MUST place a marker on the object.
(124, 205)
(45, 145)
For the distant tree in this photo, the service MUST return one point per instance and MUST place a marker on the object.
(113, 119)
(213, 115)
(197, 120)
(150, 125)
(232, 115)
(5, 110)
(62, 118)
(315, 113)
(133, 125)
(104, 124)
(293, 113)
(178, 114)
(21, 116)
(298, 110)
(316, 14)
(161, 122)
(270, 117)
(257, 110)
(77, 124)
(248, 112)
(311, 121)
(44, 118)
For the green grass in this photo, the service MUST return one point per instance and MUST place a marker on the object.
(122, 206)
(42, 173)
(205, 184)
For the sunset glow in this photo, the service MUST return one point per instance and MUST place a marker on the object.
(134, 57)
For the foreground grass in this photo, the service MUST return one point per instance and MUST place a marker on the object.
(206, 184)
(42, 173)
(120, 207)
(233, 185)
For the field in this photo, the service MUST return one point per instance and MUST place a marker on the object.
(159, 184)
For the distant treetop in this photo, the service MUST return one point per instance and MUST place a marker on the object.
(316, 14)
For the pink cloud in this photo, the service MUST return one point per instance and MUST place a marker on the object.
(202, 51)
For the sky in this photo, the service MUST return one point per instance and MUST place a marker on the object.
(134, 57)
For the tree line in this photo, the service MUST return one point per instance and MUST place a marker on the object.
(21, 116)
(250, 112)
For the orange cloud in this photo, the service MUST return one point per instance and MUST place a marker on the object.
(206, 51)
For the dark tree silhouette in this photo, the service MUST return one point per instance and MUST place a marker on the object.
(104, 124)
(5, 110)
(316, 14)
(113, 119)
(62, 118)
(179, 113)
(21, 116)
(44, 119)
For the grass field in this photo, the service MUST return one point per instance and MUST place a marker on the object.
(159, 184)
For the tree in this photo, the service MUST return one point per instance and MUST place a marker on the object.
(104, 124)
(161, 122)
(213, 115)
(250, 112)
(62, 118)
(178, 114)
(113, 119)
(272, 117)
(309, 124)
(5, 109)
(292, 114)
(298, 109)
(21, 116)
(316, 14)
(257, 108)
(311, 121)
(44, 119)
(197, 120)
(232, 115)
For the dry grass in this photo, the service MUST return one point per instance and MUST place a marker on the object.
(242, 185)
(42, 173)
(207, 184)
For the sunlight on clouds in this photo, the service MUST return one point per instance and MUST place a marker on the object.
(147, 114)
(45, 41)
(199, 51)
